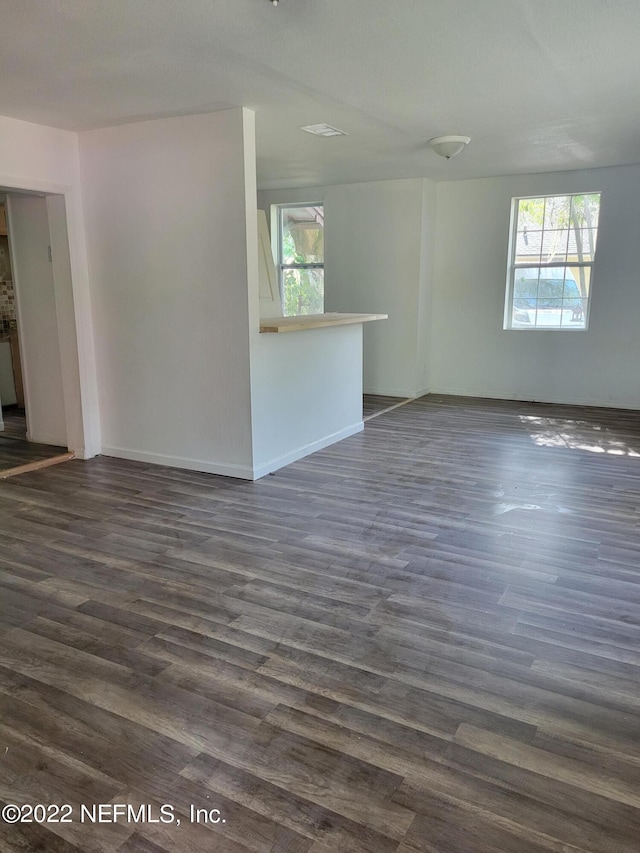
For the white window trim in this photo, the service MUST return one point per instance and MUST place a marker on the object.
(512, 267)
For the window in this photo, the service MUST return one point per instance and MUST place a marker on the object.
(553, 246)
(301, 258)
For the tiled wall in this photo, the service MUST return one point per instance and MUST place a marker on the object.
(7, 294)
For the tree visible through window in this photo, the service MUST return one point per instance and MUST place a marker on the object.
(553, 247)
(301, 258)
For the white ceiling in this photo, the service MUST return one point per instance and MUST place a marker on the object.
(539, 85)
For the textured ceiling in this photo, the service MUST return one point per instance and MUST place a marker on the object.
(539, 85)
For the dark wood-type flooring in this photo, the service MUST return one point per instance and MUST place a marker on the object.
(424, 638)
(15, 450)
(15, 423)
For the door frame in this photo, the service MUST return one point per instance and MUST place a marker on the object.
(73, 309)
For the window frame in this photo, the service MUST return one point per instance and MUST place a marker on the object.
(512, 266)
(279, 209)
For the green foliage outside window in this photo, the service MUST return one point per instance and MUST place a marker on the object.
(303, 291)
(302, 235)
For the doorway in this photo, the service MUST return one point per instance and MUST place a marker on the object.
(33, 427)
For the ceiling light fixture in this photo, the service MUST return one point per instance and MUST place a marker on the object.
(449, 146)
(274, 2)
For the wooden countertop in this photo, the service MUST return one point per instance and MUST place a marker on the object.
(315, 321)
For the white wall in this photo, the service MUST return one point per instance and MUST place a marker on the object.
(306, 393)
(37, 319)
(170, 212)
(36, 157)
(378, 259)
(373, 263)
(306, 387)
(166, 218)
(471, 354)
(66, 327)
(426, 286)
(46, 160)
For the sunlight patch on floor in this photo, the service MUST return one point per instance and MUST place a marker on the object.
(576, 435)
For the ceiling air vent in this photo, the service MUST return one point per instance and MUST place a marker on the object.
(323, 130)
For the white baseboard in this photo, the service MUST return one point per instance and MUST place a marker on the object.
(86, 452)
(523, 397)
(396, 392)
(83, 453)
(299, 453)
(422, 393)
(242, 472)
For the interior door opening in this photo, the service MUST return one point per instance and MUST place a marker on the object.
(33, 426)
